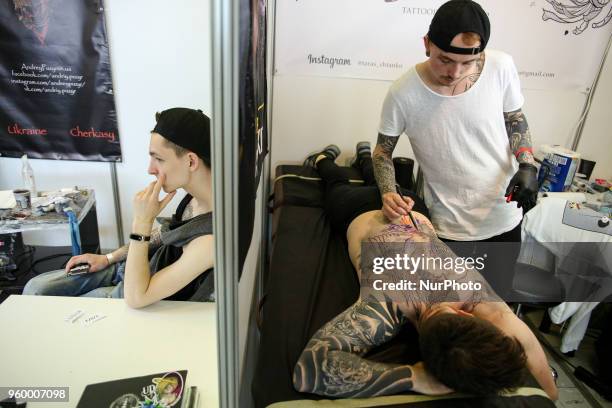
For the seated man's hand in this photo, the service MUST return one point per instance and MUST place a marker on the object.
(394, 205)
(425, 383)
(146, 203)
(96, 262)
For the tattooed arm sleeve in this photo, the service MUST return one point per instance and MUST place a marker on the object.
(383, 163)
(332, 365)
(519, 136)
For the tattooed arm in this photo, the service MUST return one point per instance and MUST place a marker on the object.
(332, 363)
(383, 163)
(394, 205)
(519, 136)
(523, 187)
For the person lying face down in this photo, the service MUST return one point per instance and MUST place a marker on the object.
(470, 342)
(164, 262)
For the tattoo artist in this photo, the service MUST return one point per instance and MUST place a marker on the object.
(461, 110)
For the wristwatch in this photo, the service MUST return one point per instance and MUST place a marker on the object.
(141, 238)
(110, 258)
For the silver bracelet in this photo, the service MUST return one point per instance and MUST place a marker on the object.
(110, 258)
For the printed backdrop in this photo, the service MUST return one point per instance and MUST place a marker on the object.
(56, 91)
(555, 44)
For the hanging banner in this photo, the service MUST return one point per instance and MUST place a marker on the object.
(253, 125)
(56, 89)
(556, 44)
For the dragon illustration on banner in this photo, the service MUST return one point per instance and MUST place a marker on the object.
(582, 12)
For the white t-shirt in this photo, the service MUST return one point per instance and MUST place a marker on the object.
(462, 146)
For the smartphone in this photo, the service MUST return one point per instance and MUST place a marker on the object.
(79, 269)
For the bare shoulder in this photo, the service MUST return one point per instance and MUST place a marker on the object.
(491, 311)
(199, 254)
(204, 242)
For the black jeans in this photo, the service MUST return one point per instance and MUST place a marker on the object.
(345, 201)
(501, 258)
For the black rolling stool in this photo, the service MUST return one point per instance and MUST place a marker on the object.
(538, 288)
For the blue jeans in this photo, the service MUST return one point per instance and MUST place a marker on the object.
(105, 283)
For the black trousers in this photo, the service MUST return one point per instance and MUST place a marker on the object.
(501, 253)
(345, 201)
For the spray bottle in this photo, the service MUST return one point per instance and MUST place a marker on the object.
(28, 176)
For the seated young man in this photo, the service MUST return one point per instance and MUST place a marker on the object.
(468, 343)
(161, 263)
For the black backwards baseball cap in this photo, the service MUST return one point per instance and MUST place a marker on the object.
(455, 17)
(188, 128)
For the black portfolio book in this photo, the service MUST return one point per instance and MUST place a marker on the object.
(162, 390)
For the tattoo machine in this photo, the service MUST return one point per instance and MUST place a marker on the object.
(409, 212)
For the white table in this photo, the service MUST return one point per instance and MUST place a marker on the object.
(38, 348)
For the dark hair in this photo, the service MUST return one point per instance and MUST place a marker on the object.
(471, 355)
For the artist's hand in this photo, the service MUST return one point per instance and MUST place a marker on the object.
(425, 383)
(394, 205)
(523, 187)
(96, 262)
(147, 206)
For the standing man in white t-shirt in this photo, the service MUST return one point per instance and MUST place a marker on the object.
(461, 109)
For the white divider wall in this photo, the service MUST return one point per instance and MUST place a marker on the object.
(596, 141)
(312, 112)
(160, 58)
(349, 42)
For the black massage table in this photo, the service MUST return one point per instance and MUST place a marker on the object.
(311, 280)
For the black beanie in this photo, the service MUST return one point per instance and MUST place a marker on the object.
(187, 128)
(455, 17)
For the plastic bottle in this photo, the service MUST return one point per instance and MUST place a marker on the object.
(28, 176)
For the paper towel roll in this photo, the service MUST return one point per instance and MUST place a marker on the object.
(575, 197)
